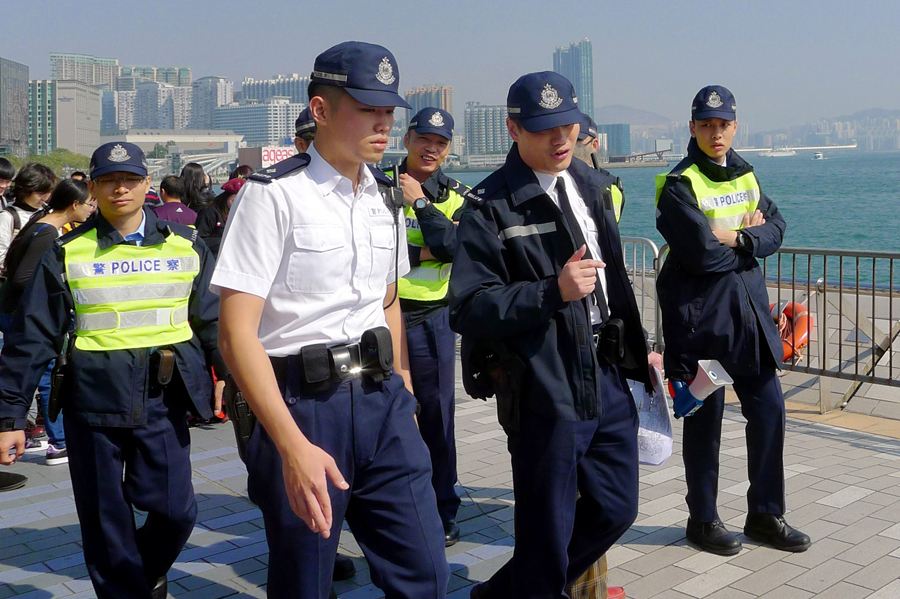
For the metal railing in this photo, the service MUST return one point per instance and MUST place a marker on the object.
(641, 258)
(853, 298)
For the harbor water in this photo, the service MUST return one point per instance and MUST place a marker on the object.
(850, 200)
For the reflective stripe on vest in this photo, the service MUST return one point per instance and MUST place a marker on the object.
(430, 280)
(129, 297)
(724, 203)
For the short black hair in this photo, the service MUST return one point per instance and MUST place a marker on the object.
(33, 178)
(243, 171)
(7, 170)
(332, 93)
(81, 174)
(173, 185)
(68, 192)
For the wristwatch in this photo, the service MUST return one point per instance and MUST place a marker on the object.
(420, 203)
(743, 242)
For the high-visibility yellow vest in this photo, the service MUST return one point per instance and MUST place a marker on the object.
(129, 297)
(724, 203)
(430, 280)
(617, 201)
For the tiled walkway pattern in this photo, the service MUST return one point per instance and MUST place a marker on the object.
(844, 490)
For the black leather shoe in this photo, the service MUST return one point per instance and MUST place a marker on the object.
(713, 537)
(344, 568)
(775, 532)
(160, 589)
(451, 534)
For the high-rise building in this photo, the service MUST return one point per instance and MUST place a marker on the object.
(618, 137)
(177, 76)
(293, 87)
(161, 106)
(63, 114)
(261, 123)
(91, 70)
(131, 75)
(485, 129)
(13, 108)
(208, 94)
(125, 102)
(576, 63)
(436, 96)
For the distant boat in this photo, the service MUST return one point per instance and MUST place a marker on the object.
(778, 153)
(818, 156)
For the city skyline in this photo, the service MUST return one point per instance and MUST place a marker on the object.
(787, 63)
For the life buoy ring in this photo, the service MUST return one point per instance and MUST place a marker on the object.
(794, 322)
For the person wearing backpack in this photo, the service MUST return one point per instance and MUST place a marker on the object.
(31, 188)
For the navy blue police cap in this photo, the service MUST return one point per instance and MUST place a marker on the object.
(118, 157)
(368, 72)
(542, 101)
(713, 102)
(304, 123)
(588, 128)
(433, 120)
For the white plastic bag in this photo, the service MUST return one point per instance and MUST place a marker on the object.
(655, 428)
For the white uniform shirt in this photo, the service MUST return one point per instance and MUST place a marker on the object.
(585, 221)
(320, 254)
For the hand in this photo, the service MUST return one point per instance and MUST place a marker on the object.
(412, 189)
(655, 360)
(755, 220)
(578, 277)
(11, 440)
(217, 397)
(306, 474)
(727, 238)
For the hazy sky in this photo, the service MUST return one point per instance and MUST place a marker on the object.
(787, 61)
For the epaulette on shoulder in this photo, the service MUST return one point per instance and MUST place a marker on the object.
(380, 176)
(457, 186)
(188, 233)
(75, 233)
(619, 184)
(280, 169)
(473, 197)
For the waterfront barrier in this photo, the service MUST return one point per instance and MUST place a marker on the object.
(852, 296)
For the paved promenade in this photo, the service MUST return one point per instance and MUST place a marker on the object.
(843, 489)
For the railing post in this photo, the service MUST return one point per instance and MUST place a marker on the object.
(821, 317)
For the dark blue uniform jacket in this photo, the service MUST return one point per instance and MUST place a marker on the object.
(104, 388)
(506, 288)
(713, 297)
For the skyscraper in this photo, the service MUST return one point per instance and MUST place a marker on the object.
(436, 96)
(162, 106)
(618, 138)
(13, 108)
(485, 129)
(576, 63)
(293, 87)
(267, 123)
(63, 114)
(91, 70)
(208, 94)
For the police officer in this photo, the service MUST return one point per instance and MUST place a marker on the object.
(124, 300)
(434, 202)
(714, 302)
(307, 274)
(540, 267)
(586, 150)
(304, 130)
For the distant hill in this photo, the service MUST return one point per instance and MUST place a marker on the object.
(617, 113)
(870, 113)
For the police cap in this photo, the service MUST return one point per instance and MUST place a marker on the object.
(304, 123)
(543, 100)
(588, 128)
(433, 120)
(118, 157)
(713, 102)
(368, 72)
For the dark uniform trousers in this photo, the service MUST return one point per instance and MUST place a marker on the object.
(432, 367)
(369, 430)
(557, 537)
(762, 404)
(114, 470)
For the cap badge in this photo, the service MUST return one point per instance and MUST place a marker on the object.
(118, 154)
(385, 72)
(714, 101)
(436, 120)
(549, 98)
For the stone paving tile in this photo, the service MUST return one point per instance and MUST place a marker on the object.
(717, 578)
(891, 591)
(824, 575)
(760, 582)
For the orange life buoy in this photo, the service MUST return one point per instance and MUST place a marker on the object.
(794, 322)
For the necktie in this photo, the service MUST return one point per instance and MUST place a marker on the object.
(578, 236)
